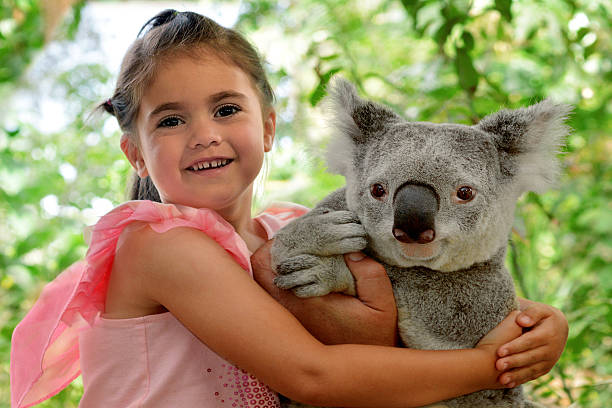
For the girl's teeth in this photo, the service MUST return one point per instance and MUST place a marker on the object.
(212, 164)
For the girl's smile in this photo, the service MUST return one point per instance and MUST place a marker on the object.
(202, 133)
(209, 164)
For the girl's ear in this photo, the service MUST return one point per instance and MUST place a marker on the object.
(132, 152)
(269, 129)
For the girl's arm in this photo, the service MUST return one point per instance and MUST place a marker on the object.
(535, 352)
(200, 284)
(371, 319)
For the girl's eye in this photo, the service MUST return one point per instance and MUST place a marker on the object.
(464, 194)
(227, 110)
(170, 122)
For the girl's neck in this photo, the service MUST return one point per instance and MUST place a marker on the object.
(249, 229)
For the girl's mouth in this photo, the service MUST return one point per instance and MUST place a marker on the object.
(209, 165)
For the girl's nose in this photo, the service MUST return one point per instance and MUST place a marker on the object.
(204, 135)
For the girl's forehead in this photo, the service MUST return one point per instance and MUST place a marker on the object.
(199, 60)
(197, 54)
(185, 75)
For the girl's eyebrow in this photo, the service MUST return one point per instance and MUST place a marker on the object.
(164, 107)
(214, 98)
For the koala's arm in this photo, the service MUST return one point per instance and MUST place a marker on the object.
(328, 229)
(307, 252)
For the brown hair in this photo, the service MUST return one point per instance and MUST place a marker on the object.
(172, 33)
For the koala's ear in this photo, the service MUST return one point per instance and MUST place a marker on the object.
(528, 141)
(355, 122)
(354, 116)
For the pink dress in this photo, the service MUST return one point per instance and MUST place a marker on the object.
(151, 361)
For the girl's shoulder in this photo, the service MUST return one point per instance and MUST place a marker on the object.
(125, 222)
(154, 245)
(127, 219)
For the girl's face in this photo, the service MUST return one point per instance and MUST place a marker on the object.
(202, 133)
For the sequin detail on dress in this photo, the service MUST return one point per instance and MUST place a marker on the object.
(238, 389)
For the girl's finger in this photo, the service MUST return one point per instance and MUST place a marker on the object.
(532, 314)
(372, 283)
(525, 359)
(522, 375)
(526, 341)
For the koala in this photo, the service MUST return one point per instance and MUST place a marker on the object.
(434, 203)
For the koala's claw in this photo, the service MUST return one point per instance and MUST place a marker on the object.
(303, 284)
(309, 275)
(343, 246)
(300, 271)
(299, 278)
(292, 281)
(297, 263)
(311, 290)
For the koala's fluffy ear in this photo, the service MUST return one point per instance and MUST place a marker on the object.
(355, 122)
(528, 140)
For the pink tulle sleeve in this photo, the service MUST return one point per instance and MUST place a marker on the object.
(279, 214)
(45, 350)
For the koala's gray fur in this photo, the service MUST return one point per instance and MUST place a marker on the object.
(447, 267)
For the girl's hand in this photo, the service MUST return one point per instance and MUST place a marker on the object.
(369, 318)
(535, 352)
(506, 331)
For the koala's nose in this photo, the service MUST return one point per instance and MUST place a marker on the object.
(416, 207)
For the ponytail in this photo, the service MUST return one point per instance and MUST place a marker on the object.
(143, 189)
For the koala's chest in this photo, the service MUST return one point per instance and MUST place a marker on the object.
(450, 310)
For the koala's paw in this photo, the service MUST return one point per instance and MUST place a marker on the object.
(320, 232)
(339, 232)
(309, 276)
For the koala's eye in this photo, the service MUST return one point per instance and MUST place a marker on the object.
(378, 191)
(465, 194)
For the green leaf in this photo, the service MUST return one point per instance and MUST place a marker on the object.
(581, 33)
(443, 32)
(329, 57)
(468, 41)
(504, 8)
(466, 73)
(412, 7)
(12, 132)
(73, 25)
(320, 91)
(37, 239)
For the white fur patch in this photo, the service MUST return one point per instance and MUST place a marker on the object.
(339, 105)
(539, 167)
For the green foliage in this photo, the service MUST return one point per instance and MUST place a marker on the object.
(21, 35)
(440, 61)
(49, 180)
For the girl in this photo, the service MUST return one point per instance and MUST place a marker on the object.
(165, 299)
